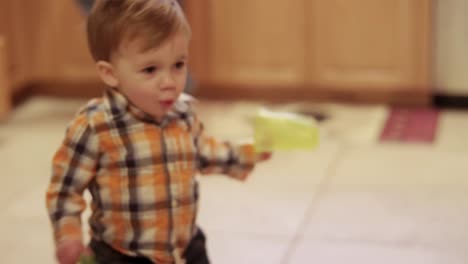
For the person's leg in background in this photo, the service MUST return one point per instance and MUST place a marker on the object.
(86, 6)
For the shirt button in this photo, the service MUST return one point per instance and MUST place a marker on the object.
(175, 203)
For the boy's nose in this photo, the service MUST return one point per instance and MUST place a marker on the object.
(168, 83)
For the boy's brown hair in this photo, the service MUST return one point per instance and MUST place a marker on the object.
(111, 22)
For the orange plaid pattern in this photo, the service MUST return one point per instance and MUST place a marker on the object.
(140, 173)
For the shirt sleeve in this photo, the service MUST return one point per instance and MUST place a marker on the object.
(73, 167)
(234, 160)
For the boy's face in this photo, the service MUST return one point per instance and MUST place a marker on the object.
(152, 80)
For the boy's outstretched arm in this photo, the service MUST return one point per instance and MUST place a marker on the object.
(74, 166)
(234, 160)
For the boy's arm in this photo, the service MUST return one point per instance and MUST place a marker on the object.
(73, 167)
(234, 160)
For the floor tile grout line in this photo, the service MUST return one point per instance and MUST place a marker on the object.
(311, 209)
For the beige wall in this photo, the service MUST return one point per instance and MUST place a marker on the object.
(451, 47)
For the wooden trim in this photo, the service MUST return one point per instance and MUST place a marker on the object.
(5, 81)
(225, 91)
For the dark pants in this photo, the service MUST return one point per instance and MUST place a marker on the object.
(194, 254)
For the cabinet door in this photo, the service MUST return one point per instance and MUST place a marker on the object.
(249, 42)
(12, 27)
(62, 53)
(368, 44)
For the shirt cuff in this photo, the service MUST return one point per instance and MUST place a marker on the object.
(68, 229)
(247, 158)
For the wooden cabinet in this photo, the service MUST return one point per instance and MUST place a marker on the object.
(368, 43)
(45, 41)
(16, 38)
(45, 47)
(375, 50)
(15, 54)
(249, 45)
(61, 51)
(371, 50)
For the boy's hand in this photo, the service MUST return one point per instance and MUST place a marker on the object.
(69, 251)
(264, 156)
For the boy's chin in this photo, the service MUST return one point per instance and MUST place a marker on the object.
(159, 115)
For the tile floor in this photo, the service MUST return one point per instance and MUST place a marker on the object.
(352, 200)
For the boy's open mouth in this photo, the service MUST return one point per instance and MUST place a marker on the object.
(166, 103)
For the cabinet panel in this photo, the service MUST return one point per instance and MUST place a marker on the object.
(258, 41)
(376, 44)
(18, 56)
(62, 53)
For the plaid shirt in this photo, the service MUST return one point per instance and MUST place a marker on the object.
(140, 173)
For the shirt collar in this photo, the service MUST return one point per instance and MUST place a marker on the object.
(119, 106)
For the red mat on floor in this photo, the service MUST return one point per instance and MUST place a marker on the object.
(411, 125)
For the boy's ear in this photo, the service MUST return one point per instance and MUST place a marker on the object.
(107, 74)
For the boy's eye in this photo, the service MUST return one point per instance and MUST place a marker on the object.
(180, 64)
(149, 70)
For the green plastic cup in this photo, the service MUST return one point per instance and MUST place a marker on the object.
(284, 131)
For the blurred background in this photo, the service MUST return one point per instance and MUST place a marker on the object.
(385, 79)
